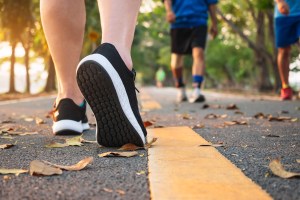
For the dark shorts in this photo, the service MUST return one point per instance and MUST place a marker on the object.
(183, 40)
(287, 30)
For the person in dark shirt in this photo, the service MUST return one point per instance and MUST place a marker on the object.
(188, 19)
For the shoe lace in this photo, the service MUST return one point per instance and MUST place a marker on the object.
(134, 75)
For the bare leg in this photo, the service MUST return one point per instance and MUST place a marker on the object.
(63, 23)
(283, 60)
(177, 68)
(118, 20)
(198, 61)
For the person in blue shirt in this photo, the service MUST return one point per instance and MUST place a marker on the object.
(188, 19)
(287, 32)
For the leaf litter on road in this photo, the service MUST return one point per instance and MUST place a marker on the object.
(21, 131)
(214, 106)
(76, 167)
(40, 168)
(198, 126)
(39, 121)
(274, 118)
(232, 107)
(6, 146)
(277, 169)
(47, 168)
(185, 116)
(235, 122)
(13, 171)
(133, 147)
(141, 172)
(211, 145)
(74, 141)
(214, 116)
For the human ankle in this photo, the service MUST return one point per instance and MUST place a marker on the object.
(124, 52)
(78, 99)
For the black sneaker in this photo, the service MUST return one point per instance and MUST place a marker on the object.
(69, 118)
(108, 86)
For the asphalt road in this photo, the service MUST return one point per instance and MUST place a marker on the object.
(249, 147)
(106, 178)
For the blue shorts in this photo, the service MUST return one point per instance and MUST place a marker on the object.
(287, 30)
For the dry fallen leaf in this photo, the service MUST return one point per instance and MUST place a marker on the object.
(280, 118)
(6, 178)
(87, 141)
(141, 172)
(74, 141)
(238, 112)
(149, 144)
(108, 190)
(211, 145)
(39, 168)
(260, 116)
(39, 121)
(5, 130)
(148, 123)
(277, 169)
(8, 122)
(28, 119)
(223, 116)
(232, 107)
(79, 166)
(6, 146)
(214, 106)
(7, 137)
(294, 119)
(185, 116)
(21, 133)
(235, 122)
(56, 145)
(298, 160)
(130, 147)
(119, 154)
(198, 126)
(121, 192)
(272, 135)
(211, 116)
(12, 171)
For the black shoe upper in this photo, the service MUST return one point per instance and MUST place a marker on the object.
(68, 110)
(127, 77)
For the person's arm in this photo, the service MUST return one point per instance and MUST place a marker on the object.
(214, 22)
(170, 14)
(283, 7)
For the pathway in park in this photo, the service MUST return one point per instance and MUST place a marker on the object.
(179, 165)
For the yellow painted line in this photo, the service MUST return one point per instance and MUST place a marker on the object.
(148, 103)
(180, 169)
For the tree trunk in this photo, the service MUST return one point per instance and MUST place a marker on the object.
(27, 49)
(260, 60)
(50, 84)
(12, 88)
(277, 85)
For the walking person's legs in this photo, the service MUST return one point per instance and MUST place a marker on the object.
(177, 71)
(198, 71)
(106, 80)
(283, 60)
(63, 23)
